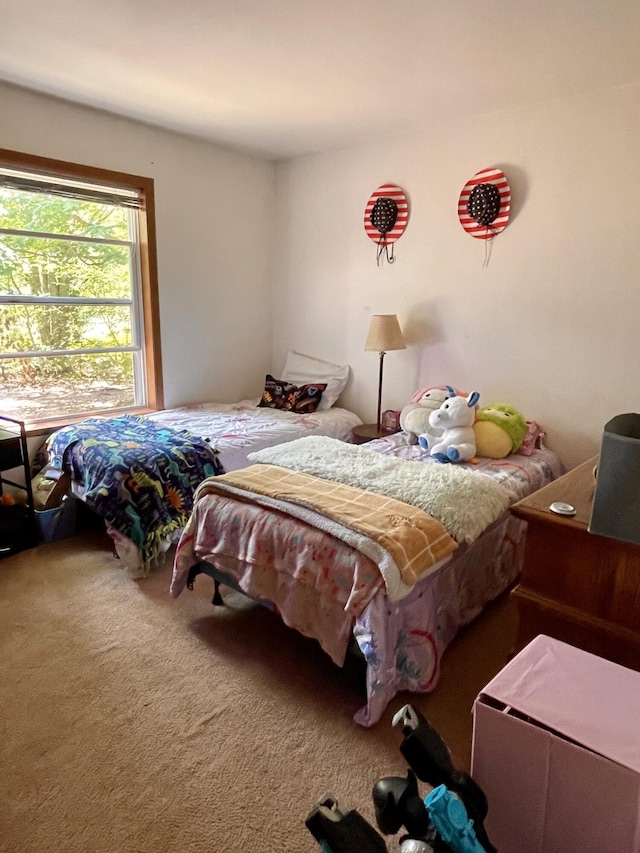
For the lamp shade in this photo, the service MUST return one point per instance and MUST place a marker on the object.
(385, 334)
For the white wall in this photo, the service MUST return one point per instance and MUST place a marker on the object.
(551, 325)
(214, 235)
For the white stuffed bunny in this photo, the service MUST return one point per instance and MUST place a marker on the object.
(455, 418)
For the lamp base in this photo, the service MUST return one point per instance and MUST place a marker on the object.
(379, 420)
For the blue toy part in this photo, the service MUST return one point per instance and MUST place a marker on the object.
(449, 816)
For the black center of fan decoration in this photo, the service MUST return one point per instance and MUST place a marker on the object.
(385, 218)
(484, 203)
(384, 214)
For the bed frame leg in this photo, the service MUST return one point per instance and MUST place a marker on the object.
(217, 598)
(194, 571)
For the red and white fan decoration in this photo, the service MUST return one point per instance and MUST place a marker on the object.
(485, 204)
(385, 219)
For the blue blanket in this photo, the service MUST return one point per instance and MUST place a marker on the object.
(139, 476)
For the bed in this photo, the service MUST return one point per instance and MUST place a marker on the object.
(341, 567)
(139, 473)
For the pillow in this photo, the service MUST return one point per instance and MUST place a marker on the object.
(279, 394)
(532, 439)
(302, 369)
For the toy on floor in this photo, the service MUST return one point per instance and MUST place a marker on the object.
(455, 418)
(448, 820)
(499, 430)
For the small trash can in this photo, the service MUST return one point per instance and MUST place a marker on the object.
(616, 503)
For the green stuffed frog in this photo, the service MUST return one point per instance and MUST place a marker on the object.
(499, 430)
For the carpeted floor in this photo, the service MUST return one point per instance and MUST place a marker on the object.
(136, 723)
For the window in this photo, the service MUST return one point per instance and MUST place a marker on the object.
(79, 323)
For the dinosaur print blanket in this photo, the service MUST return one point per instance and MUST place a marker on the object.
(139, 476)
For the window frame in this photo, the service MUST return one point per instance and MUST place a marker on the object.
(148, 298)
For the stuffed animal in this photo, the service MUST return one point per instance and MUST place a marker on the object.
(499, 430)
(455, 418)
(414, 417)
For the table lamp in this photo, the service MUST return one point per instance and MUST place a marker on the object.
(384, 335)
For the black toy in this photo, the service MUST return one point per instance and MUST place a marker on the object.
(448, 820)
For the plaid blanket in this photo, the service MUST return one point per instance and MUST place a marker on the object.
(412, 539)
(139, 476)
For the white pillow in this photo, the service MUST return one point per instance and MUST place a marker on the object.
(304, 370)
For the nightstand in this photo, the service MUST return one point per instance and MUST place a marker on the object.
(368, 432)
(575, 586)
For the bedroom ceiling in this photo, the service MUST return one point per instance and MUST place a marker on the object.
(288, 77)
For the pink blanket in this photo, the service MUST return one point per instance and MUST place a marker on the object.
(330, 591)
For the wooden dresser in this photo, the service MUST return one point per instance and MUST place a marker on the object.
(575, 586)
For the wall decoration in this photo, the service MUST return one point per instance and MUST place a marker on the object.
(484, 205)
(385, 219)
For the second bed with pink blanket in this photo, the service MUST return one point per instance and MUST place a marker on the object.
(375, 542)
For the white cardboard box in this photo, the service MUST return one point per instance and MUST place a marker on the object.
(556, 749)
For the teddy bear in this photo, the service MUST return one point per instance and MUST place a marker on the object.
(499, 430)
(414, 417)
(455, 418)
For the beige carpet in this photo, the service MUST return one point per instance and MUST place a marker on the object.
(136, 723)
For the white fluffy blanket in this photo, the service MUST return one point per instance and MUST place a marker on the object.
(464, 501)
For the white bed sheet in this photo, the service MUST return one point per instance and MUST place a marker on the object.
(234, 430)
(237, 429)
